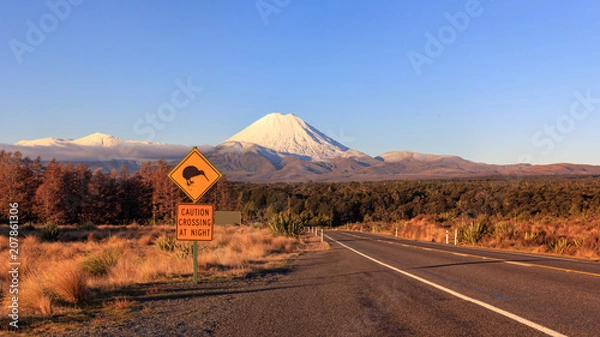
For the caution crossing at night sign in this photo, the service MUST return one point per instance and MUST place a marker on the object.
(195, 175)
(195, 222)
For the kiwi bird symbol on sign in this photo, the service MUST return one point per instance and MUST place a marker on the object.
(185, 175)
(191, 172)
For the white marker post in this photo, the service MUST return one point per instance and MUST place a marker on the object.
(455, 236)
(446, 236)
(396, 232)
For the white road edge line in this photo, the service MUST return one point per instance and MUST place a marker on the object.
(512, 316)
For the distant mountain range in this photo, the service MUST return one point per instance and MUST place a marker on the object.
(281, 147)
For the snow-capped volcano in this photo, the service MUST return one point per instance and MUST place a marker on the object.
(290, 135)
(98, 149)
(98, 139)
(278, 147)
(94, 139)
(50, 141)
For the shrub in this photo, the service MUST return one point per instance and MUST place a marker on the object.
(99, 264)
(557, 245)
(474, 232)
(286, 224)
(166, 242)
(446, 217)
(504, 230)
(183, 249)
(169, 243)
(87, 225)
(530, 236)
(51, 232)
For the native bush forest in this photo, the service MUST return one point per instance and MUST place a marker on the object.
(74, 194)
(71, 194)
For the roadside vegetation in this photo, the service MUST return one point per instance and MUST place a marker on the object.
(556, 215)
(578, 236)
(559, 215)
(61, 194)
(69, 260)
(81, 268)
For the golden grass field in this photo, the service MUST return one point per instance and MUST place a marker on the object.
(577, 237)
(85, 268)
(68, 275)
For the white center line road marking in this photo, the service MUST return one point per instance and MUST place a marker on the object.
(518, 263)
(505, 313)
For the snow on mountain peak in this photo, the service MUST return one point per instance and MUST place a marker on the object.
(98, 139)
(289, 134)
(50, 141)
(94, 139)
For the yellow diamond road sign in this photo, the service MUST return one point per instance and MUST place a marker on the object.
(195, 175)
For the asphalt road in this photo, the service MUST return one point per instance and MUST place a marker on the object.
(467, 291)
(431, 290)
(369, 285)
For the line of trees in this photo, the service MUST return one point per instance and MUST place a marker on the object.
(75, 194)
(392, 201)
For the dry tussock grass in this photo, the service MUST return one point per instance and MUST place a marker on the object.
(237, 252)
(33, 297)
(69, 282)
(45, 282)
(60, 276)
(119, 303)
(577, 236)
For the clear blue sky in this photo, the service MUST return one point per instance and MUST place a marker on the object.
(502, 90)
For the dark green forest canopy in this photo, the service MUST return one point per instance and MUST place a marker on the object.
(391, 201)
